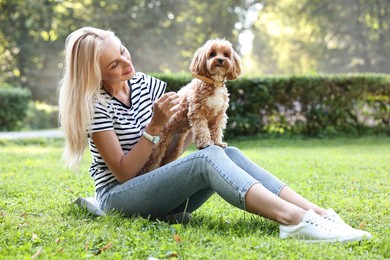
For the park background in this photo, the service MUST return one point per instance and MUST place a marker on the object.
(313, 39)
(312, 107)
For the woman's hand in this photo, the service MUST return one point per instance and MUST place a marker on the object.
(126, 166)
(163, 108)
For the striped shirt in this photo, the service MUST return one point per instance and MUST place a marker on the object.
(127, 122)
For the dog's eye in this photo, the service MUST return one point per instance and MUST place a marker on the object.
(226, 55)
(213, 54)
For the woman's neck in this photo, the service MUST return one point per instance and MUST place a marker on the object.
(121, 91)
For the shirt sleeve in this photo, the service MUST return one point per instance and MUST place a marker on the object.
(156, 87)
(102, 119)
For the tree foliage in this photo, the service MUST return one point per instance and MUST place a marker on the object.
(161, 35)
(306, 36)
(324, 36)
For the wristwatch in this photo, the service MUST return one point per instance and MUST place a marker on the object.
(153, 138)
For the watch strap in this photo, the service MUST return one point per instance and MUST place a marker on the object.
(151, 138)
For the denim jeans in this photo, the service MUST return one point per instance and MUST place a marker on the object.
(195, 177)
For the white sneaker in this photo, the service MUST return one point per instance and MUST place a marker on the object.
(314, 228)
(336, 220)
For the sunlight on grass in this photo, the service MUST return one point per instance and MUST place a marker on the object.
(349, 175)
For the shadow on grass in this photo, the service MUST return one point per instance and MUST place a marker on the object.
(246, 225)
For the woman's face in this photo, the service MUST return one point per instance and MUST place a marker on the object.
(115, 61)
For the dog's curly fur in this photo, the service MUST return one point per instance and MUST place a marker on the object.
(203, 103)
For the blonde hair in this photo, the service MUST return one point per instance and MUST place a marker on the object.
(79, 90)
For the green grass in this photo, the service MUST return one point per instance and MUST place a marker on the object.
(37, 217)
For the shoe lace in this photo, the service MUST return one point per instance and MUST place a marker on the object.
(334, 218)
(320, 223)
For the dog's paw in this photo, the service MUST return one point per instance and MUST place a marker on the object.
(201, 145)
(222, 144)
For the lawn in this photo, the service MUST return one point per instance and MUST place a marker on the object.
(38, 219)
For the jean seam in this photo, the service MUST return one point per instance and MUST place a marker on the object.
(150, 175)
(245, 191)
(279, 188)
(241, 193)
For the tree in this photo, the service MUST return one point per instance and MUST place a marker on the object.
(31, 44)
(324, 36)
(161, 35)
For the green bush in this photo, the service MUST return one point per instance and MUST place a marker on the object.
(308, 105)
(14, 103)
(311, 105)
(41, 116)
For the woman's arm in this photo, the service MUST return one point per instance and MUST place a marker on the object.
(126, 166)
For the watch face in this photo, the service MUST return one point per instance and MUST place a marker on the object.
(156, 139)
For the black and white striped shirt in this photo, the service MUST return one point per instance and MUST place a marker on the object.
(127, 122)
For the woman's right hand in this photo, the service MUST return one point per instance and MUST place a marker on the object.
(163, 108)
(125, 166)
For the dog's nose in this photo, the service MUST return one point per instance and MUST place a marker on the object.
(220, 61)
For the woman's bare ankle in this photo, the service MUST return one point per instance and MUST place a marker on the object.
(291, 217)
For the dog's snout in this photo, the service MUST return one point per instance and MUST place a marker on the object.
(220, 61)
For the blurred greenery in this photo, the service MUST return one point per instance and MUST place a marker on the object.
(288, 37)
(309, 105)
(14, 103)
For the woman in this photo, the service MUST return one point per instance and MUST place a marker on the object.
(120, 112)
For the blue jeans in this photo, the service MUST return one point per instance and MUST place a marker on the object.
(195, 177)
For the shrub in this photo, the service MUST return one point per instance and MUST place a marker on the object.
(14, 103)
(41, 116)
(309, 105)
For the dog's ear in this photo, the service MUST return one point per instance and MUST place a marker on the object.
(236, 68)
(198, 64)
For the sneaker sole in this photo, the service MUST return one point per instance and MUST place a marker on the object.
(332, 240)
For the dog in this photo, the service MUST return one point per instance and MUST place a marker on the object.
(203, 103)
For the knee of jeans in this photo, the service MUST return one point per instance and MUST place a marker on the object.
(213, 152)
(213, 149)
(232, 150)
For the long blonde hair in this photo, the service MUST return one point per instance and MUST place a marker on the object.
(79, 89)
